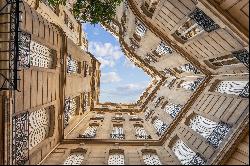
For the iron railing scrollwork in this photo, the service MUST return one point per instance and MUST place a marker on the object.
(17, 54)
(203, 20)
(218, 134)
(20, 139)
(242, 56)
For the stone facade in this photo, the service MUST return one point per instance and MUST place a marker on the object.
(195, 110)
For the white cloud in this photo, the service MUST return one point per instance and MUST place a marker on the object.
(110, 77)
(127, 63)
(106, 53)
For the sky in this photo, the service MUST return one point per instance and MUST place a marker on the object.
(121, 80)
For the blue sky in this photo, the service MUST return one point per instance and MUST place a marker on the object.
(121, 81)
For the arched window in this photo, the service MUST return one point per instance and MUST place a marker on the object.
(76, 157)
(173, 109)
(150, 157)
(42, 56)
(186, 155)
(140, 132)
(213, 132)
(239, 88)
(116, 157)
(90, 132)
(197, 23)
(159, 125)
(117, 132)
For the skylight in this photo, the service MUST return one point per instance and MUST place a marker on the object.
(121, 80)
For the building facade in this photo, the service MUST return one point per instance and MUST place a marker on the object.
(195, 111)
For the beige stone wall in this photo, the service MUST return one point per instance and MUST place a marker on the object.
(105, 126)
(98, 154)
(241, 155)
(170, 15)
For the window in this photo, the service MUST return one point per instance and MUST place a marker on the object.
(173, 109)
(239, 88)
(197, 23)
(72, 65)
(41, 56)
(212, 131)
(140, 29)
(74, 159)
(117, 132)
(186, 155)
(70, 109)
(163, 49)
(90, 132)
(39, 122)
(30, 129)
(151, 158)
(160, 126)
(187, 68)
(140, 132)
(191, 85)
(116, 158)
